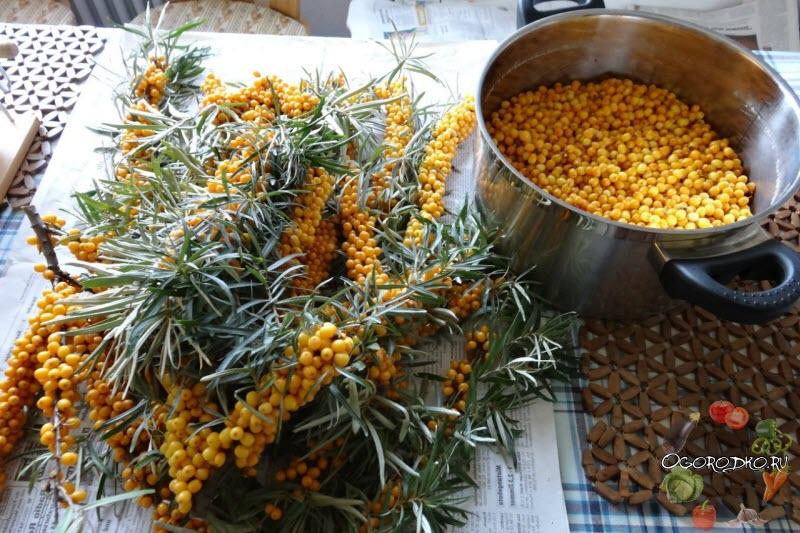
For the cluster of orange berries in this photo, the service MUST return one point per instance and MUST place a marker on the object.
(46, 273)
(128, 172)
(321, 353)
(360, 246)
(59, 378)
(46, 359)
(465, 299)
(83, 247)
(242, 167)
(76, 495)
(456, 384)
(307, 236)
(387, 500)
(132, 138)
(137, 478)
(153, 82)
(164, 514)
(307, 212)
(273, 512)
(384, 370)
(453, 128)
(105, 404)
(52, 220)
(249, 434)
(294, 100)
(397, 133)
(233, 171)
(309, 471)
(255, 103)
(186, 449)
(477, 342)
(630, 152)
(19, 386)
(56, 224)
(319, 255)
(129, 142)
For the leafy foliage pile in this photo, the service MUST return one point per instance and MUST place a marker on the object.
(259, 280)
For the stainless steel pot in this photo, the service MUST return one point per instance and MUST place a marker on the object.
(601, 268)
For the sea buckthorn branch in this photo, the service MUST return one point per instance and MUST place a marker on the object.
(448, 417)
(188, 466)
(153, 81)
(261, 101)
(358, 227)
(46, 362)
(254, 422)
(310, 238)
(455, 126)
(57, 369)
(161, 70)
(501, 393)
(358, 214)
(29, 352)
(451, 270)
(398, 131)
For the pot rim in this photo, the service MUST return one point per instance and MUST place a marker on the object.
(626, 13)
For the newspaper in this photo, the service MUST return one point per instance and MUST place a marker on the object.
(762, 25)
(757, 25)
(528, 498)
(453, 20)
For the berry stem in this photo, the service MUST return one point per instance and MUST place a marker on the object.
(43, 233)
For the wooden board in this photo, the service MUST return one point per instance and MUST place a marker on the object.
(15, 139)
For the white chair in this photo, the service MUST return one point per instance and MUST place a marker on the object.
(276, 17)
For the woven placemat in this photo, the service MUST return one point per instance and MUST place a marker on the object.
(45, 79)
(642, 376)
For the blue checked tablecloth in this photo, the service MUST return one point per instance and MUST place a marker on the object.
(588, 512)
(10, 221)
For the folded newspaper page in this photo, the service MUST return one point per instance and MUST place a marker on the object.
(771, 25)
(453, 20)
(528, 498)
(758, 25)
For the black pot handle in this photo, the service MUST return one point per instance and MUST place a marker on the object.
(702, 282)
(527, 12)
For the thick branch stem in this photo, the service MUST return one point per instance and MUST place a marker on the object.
(43, 234)
(57, 454)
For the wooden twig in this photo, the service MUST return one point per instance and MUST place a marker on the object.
(43, 234)
(57, 454)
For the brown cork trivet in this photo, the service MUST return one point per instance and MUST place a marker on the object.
(643, 375)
